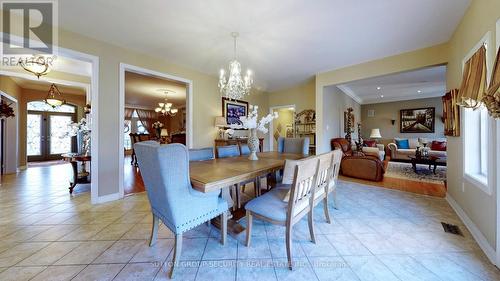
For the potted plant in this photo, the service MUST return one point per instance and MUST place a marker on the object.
(157, 126)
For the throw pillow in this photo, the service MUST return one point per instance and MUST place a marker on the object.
(438, 145)
(403, 144)
(370, 143)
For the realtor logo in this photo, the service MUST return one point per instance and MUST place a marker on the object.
(28, 27)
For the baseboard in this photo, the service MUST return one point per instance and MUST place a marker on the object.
(476, 233)
(107, 198)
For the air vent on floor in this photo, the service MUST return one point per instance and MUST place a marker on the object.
(450, 228)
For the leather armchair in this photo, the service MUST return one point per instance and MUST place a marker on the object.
(367, 167)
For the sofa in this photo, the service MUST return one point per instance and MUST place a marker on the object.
(366, 167)
(402, 154)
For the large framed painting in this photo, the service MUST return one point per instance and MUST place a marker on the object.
(417, 120)
(232, 110)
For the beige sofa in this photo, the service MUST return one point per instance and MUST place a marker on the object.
(402, 154)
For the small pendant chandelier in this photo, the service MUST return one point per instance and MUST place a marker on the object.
(235, 87)
(37, 65)
(165, 108)
(54, 97)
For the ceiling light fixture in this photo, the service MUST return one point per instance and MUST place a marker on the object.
(378, 88)
(419, 91)
(235, 87)
(54, 97)
(37, 65)
(165, 108)
(381, 96)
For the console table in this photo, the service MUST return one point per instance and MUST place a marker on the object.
(78, 177)
(224, 142)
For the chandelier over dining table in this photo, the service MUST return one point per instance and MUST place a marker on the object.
(235, 86)
(165, 108)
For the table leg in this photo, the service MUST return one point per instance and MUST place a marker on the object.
(435, 166)
(414, 165)
(74, 166)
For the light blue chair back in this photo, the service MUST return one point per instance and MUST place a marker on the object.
(293, 145)
(165, 171)
(201, 154)
(228, 151)
(244, 149)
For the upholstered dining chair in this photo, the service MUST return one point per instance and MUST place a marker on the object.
(293, 145)
(201, 154)
(244, 149)
(165, 171)
(228, 151)
(272, 208)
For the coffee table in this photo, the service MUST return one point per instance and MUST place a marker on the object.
(429, 160)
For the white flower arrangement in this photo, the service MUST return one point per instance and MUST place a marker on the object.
(250, 121)
(229, 132)
(75, 128)
(157, 125)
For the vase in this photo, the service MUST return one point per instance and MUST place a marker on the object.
(83, 141)
(253, 144)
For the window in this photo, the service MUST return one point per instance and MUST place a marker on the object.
(42, 106)
(127, 143)
(476, 144)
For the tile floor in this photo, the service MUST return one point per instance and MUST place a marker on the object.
(377, 234)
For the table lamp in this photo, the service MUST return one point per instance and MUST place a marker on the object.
(220, 122)
(164, 133)
(375, 134)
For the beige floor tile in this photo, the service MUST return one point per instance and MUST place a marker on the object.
(139, 231)
(113, 232)
(19, 252)
(84, 232)
(156, 253)
(101, 272)
(20, 273)
(85, 253)
(50, 254)
(54, 233)
(407, 268)
(138, 271)
(369, 268)
(59, 273)
(120, 252)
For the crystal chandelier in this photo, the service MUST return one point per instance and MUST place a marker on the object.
(165, 108)
(235, 87)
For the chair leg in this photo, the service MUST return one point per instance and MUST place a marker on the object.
(325, 208)
(177, 254)
(238, 196)
(154, 231)
(223, 234)
(249, 228)
(310, 222)
(335, 202)
(289, 245)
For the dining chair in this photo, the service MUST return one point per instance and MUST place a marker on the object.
(271, 207)
(228, 151)
(165, 171)
(201, 154)
(293, 145)
(244, 149)
(337, 159)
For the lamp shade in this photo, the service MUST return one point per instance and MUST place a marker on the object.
(375, 134)
(164, 132)
(220, 121)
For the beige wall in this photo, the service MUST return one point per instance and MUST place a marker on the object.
(303, 96)
(34, 95)
(9, 87)
(335, 103)
(480, 207)
(385, 112)
(285, 117)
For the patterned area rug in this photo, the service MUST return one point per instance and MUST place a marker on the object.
(405, 171)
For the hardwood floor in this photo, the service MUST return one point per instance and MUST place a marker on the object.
(418, 187)
(132, 182)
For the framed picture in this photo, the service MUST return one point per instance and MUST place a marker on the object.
(417, 120)
(232, 110)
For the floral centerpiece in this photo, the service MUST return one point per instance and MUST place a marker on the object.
(157, 126)
(82, 131)
(6, 110)
(250, 122)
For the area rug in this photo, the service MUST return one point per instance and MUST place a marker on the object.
(405, 171)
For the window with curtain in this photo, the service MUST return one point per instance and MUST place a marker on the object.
(476, 121)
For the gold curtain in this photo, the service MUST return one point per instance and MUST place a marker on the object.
(451, 114)
(129, 112)
(492, 97)
(474, 80)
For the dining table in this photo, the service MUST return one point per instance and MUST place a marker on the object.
(218, 175)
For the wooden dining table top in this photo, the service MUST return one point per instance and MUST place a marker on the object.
(213, 175)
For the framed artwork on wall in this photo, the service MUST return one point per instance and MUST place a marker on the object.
(417, 120)
(232, 110)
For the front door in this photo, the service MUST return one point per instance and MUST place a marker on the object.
(47, 132)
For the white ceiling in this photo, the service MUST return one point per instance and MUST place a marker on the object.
(283, 41)
(416, 84)
(143, 91)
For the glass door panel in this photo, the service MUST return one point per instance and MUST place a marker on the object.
(60, 141)
(34, 135)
